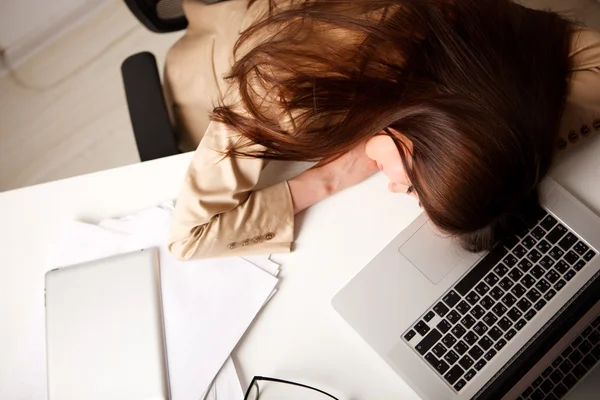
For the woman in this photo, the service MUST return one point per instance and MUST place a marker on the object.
(461, 103)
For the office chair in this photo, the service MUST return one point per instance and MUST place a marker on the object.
(154, 135)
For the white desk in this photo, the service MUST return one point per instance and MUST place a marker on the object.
(298, 336)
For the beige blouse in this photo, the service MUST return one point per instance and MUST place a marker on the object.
(218, 212)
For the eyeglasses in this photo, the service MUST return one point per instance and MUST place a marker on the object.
(274, 389)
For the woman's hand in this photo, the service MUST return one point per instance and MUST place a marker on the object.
(318, 183)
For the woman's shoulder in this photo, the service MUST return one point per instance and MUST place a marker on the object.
(585, 49)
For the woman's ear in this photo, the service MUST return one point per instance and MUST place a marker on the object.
(382, 149)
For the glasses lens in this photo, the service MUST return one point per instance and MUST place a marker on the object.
(267, 390)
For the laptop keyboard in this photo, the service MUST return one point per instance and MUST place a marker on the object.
(567, 369)
(475, 319)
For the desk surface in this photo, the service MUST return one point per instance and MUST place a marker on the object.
(298, 336)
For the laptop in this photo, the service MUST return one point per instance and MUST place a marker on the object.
(104, 330)
(508, 323)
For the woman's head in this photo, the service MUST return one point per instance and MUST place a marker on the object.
(469, 91)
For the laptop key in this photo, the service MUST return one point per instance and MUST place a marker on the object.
(458, 331)
(487, 302)
(537, 382)
(429, 316)
(556, 376)
(480, 328)
(482, 288)
(543, 246)
(560, 284)
(501, 270)
(422, 328)
(496, 293)
(514, 314)
(540, 304)
(548, 296)
(581, 248)
(439, 350)
(451, 357)
(469, 375)
(528, 242)
(519, 251)
(548, 222)
(509, 300)
(451, 298)
(559, 391)
(428, 341)
(480, 270)
(477, 311)
(491, 279)
(472, 297)
(510, 334)
(546, 262)
(460, 384)
(537, 272)
(556, 253)
(518, 290)
(557, 362)
(470, 338)
(533, 295)
(467, 321)
(499, 309)
(463, 307)
(485, 343)
(589, 255)
(530, 314)
(547, 386)
(552, 276)
(585, 347)
(579, 371)
(438, 365)
(495, 333)
(525, 265)
(475, 352)
(567, 241)
(480, 364)
(528, 281)
(466, 362)
(409, 335)
(453, 317)
(561, 266)
(568, 350)
(510, 260)
(571, 257)
(538, 395)
(566, 366)
(542, 285)
(515, 274)
(538, 232)
(534, 255)
(524, 304)
(449, 340)
(579, 265)
(569, 381)
(556, 234)
(569, 275)
(443, 326)
(505, 324)
(500, 344)
(441, 309)
(490, 354)
(588, 361)
(461, 348)
(506, 283)
(520, 324)
(490, 319)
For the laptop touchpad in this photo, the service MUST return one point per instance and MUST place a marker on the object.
(432, 253)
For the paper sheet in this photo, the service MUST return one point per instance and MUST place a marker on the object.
(208, 305)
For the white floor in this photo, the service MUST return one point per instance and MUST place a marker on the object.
(63, 112)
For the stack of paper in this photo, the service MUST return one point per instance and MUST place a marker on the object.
(208, 305)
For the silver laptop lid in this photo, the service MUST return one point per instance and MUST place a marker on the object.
(104, 330)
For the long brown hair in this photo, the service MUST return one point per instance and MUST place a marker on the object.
(477, 86)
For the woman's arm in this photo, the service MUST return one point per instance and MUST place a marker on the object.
(219, 215)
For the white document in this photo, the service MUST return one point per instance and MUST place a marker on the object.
(208, 304)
